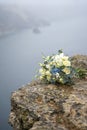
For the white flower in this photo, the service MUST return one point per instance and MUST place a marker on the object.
(41, 77)
(48, 66)
(61, 55)
(66, 63)
(48, 73)
(61, 80)
(57, 75)
(65, 58)
(48, 78)
(66, 70)
(57, 57)
(42, 71)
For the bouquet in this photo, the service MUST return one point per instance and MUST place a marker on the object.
(56, 69)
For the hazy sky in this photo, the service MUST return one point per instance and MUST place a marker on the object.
(45, 1)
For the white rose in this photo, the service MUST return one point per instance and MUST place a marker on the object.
(66, 63)
(66, 70)
(48, 66)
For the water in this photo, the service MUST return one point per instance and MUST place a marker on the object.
(21, 52)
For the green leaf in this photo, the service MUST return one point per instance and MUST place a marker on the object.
(60, 51)
(82, 73)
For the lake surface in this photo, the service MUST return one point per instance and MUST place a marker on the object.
(21, 52)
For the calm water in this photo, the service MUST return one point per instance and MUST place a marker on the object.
(21, 52)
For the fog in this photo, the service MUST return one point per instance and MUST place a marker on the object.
(29, 28)
(45, 2)
(52, 8)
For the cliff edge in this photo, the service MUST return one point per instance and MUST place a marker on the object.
(39, 106)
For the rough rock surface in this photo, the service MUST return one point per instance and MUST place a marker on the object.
(79, 61)
(38, 106)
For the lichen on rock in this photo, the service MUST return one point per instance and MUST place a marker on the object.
(39, 106)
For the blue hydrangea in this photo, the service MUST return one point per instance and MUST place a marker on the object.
(55, 70)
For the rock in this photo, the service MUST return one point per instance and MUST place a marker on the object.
(39, 106)
(49, 107)
(36, 30)
(79, 61)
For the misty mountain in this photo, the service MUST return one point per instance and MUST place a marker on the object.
(15, 18)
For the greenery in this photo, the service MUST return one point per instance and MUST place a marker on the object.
(57, 69)
(81, 73)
